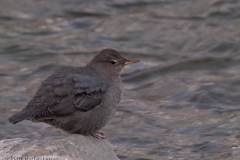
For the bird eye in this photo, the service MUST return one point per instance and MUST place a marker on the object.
(113, 61)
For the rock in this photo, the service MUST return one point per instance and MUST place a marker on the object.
(57, 148)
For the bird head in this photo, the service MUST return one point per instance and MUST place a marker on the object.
(110, 62)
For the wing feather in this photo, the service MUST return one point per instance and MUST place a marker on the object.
(78, 93)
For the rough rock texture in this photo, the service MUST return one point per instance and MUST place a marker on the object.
(57, 148)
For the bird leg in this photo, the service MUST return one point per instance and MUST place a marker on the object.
(99, 135)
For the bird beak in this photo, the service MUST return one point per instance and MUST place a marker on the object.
(131, 61)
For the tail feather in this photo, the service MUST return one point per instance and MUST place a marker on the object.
(19, 117)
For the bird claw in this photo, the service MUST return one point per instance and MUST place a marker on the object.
(99, 135)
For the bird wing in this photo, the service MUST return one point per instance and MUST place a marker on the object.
(66, 94)
(80, 102)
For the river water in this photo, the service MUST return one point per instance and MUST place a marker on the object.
(182, 101)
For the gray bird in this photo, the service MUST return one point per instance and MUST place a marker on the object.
(79, 100)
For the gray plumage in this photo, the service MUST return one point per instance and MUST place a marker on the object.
(80, 100)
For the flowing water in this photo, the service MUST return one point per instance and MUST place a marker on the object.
(182, 101)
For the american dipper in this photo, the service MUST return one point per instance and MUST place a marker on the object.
(79, 100)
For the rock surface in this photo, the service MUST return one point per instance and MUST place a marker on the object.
(57, 148)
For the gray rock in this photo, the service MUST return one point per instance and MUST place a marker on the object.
(57, 148)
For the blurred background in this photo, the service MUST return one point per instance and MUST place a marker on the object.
(181, 101)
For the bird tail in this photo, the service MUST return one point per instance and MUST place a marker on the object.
(19, 117)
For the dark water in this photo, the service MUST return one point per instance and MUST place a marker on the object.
(181, 102)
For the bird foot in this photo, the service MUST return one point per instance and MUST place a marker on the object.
(99, 135)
